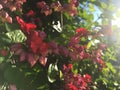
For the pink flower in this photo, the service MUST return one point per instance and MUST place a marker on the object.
(1, 6)
(9, 19)
(41, 4)
(87, 78)
(12, 87)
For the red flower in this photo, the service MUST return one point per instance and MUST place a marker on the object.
(30, 13)
(87, 78)
(57, 6)
(63, 51)
(34, 41)
(26, 27)
(19, 20)
(41, 4)
(46, 10)
(31, 59)
(81, 30)
(43, 60)
(53, 47)
(72, 87)
(43, 49)
(70, 9)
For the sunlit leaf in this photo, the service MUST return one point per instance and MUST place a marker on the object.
(52, 72)
(16, 36)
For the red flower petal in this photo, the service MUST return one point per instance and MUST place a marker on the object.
(30, 13)
(43, 60)
(31, 59)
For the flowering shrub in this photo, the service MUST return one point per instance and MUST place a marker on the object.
(40, 50)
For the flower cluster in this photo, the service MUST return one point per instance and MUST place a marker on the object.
(75, 81)
(11, 5)
(78, 51)
(38, 49)
(97, 58)
(70, 8)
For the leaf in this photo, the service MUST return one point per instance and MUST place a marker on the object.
(14, 75)
(52, 72)
(91, 7)
(16, 36)
(75, 68)
(110, 66)
(89, 45)
(11, 27)
(4, 40)
(1, 59)
(103, 5)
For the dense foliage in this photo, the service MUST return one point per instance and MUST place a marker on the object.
(56, 45)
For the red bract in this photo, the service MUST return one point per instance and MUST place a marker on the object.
(31, 13)
(36, 44)
(42, 34)
(63, 51)
(31, 59)
(43, 49)
(34, 41)
(3, 52)
(53, 47)
(70, 87)
(70, 9)
(41, 4)
(75, 81)
(46, 10)
(81, 30)
(57, 6)
(74, 2)
(26, 27)
(87, 78)
(43, 60)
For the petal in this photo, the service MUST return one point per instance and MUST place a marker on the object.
(43, 60)
(31, 59)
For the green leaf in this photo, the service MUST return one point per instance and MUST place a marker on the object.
(1, 59)
(110, 66)
(75, 68)
(103, 5)
(14, 75)
(16, 36)
(89, 45)
(91, 7)
(4, 40)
